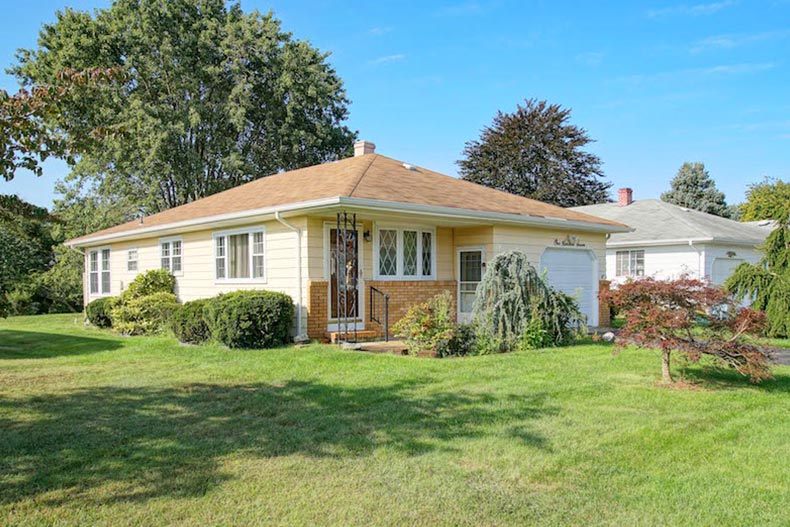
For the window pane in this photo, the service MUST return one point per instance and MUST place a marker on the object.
(388, 252)
(257, 243)
(409, 253)
(94, 261)
(131, 265)
(220, 267)
(94, 283)
(105, 282)
(105, 259)
(257, 266)
(220, 246)
(239, 256)
(166, 263)
(427, 248)
(176, 246)
(176, 262)
(165, 249)
(471, 266)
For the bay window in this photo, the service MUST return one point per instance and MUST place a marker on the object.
(99, 271)
(240, 255)
(404, 253)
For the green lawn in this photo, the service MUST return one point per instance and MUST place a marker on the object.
(97, 429)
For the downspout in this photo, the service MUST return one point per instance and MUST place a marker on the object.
(300, 336)
(699, 260)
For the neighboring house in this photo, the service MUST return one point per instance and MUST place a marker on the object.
(419, 233)
(668, 241)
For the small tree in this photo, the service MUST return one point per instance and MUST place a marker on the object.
(693, 188)
(693, 318)
(512, 294)
(767, 283)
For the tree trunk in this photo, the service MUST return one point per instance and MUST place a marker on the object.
(666, 374)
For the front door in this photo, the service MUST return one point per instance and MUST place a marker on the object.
(345, 299)
(470, 273)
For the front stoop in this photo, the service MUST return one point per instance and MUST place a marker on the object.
(363, 335)
(396, 347)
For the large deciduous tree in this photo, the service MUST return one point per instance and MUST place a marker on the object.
(535, 152)
(767, 200)
(210, 97)
(693, 188)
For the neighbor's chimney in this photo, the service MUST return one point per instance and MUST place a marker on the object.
(625, 197)
(364, 147)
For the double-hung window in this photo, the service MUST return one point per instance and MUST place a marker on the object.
(240, 255)
(170, 254)
(630, 263)
(405, 253)
(99, 271)
(131, 260)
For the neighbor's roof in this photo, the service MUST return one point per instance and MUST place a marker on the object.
(659, 223)
(366, 177)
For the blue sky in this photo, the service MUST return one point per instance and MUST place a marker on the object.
(656, 84)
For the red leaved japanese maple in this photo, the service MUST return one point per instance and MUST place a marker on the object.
(691, 317)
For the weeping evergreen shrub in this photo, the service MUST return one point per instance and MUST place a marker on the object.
(512, 299)
(768, 282)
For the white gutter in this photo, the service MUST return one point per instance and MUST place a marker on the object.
(681, 241)
(299, 335)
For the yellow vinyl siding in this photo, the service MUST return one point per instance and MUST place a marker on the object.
(533, 242)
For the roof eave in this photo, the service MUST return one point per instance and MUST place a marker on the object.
(682, 241)
(362, 203)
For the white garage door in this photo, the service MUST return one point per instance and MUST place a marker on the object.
(723, 269)
(573, 273)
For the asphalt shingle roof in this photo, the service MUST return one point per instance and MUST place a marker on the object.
(656, 221)
(370, 176)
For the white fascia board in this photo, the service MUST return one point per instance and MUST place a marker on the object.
(361, 203)
(684, 242)
(492, 217)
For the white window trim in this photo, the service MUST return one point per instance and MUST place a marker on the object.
(169, 240)
(631, 273)
(249, 231)
(98, 251)
(399, 276)
(137, 259)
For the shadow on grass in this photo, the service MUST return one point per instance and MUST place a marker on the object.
(151, 442)
(33, 345)
(708, 376)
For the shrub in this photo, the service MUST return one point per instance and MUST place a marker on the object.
(250, 319)
(429, 326)
(144, 315)
(693, 318)
(99, 311)
(535, 335)
(511, 295)
(189, 323)
(149, 283)
(464, 341)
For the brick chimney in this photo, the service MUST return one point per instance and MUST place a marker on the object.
(625, 196)
(364, 147)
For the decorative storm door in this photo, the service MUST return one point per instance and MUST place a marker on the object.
(470, 272)
(344, 298)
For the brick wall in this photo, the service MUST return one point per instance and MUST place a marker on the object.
(403, 294)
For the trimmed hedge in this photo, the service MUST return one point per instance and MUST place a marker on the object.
(149, 283)
(189, 323)
(145, 314)
(250, 319)
(99, 311)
